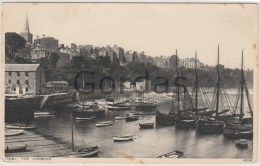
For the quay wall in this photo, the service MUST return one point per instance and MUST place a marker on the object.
(21, 109)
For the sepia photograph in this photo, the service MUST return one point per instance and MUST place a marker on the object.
(130, 82)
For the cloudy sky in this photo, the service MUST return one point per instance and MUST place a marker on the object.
(156, 29)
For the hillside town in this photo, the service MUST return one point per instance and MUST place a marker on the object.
(77, 101)
(43, 46)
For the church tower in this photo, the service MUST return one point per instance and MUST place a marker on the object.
(26, 31)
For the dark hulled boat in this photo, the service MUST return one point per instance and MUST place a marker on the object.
(241, 127)
(167, 119)
(214, 125)
(146, 125)
(185, 118)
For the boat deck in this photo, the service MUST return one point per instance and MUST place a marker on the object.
(38, 145)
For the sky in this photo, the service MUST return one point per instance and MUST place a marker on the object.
(156, 29)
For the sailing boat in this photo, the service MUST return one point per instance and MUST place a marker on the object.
(212, 125)
(132, 116)
(186, 118)
(87, 112)
(82, 152)
(168, 118)
(144, 105)
(240, 128)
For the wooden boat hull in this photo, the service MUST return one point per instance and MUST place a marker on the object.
(146, 125)
(21, 127)
(44, 113)
(120, 117)
(112, 108)
(13, 132)
(210, 127)
(103, 124)
(174, 154)
(86, 118)
(132, 118)
(146, 107)
(123, 138)
(185, 123)
(15, 148)
(236, 131)
(165, 119)
(81, 153)
(242, 144)
(86, 114)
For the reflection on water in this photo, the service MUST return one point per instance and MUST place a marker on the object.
(147, 142)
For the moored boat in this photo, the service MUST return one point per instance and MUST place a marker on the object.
(132, 118)
(15, 148)
(173, 154)
(146, 125)
(44, 113)
(167, 119)
(24, 127)
(208, 126)
(13, 132)
(241, 127)
(123, 138)
(242, 143)
(85, 152)
(101, 124)
(85, 118)
(121, 117)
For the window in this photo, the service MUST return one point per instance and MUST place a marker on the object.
(9, 81)
(14, 89)
(26, 73)
(26, 82)
(18, 73)
(18, 81)
(26, 89)
(9, 73)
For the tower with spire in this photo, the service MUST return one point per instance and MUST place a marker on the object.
(26, 31)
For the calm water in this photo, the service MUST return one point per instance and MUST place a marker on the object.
(148, 143)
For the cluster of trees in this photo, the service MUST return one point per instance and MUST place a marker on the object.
(16, 51)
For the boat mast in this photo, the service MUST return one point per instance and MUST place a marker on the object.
(242, 90)
(196, 84)
(83, 85)
(178, 90)
(72, 136)
(218, 85)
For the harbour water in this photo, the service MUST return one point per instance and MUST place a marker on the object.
(148, 143)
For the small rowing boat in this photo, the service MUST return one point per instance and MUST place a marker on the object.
(174, 154)
(24, 127)
(44, 113)
(132, 118)
(13, 132)
(242, 143)
(85, 152)
(15, 148)
(121, 117)
(146, 125)
(85, 118)
(101, 124)
(123, 138)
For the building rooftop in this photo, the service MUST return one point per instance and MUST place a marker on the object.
(21, 67)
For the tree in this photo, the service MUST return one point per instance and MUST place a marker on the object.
(13, 42)
(77, 62)
(54, 58)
